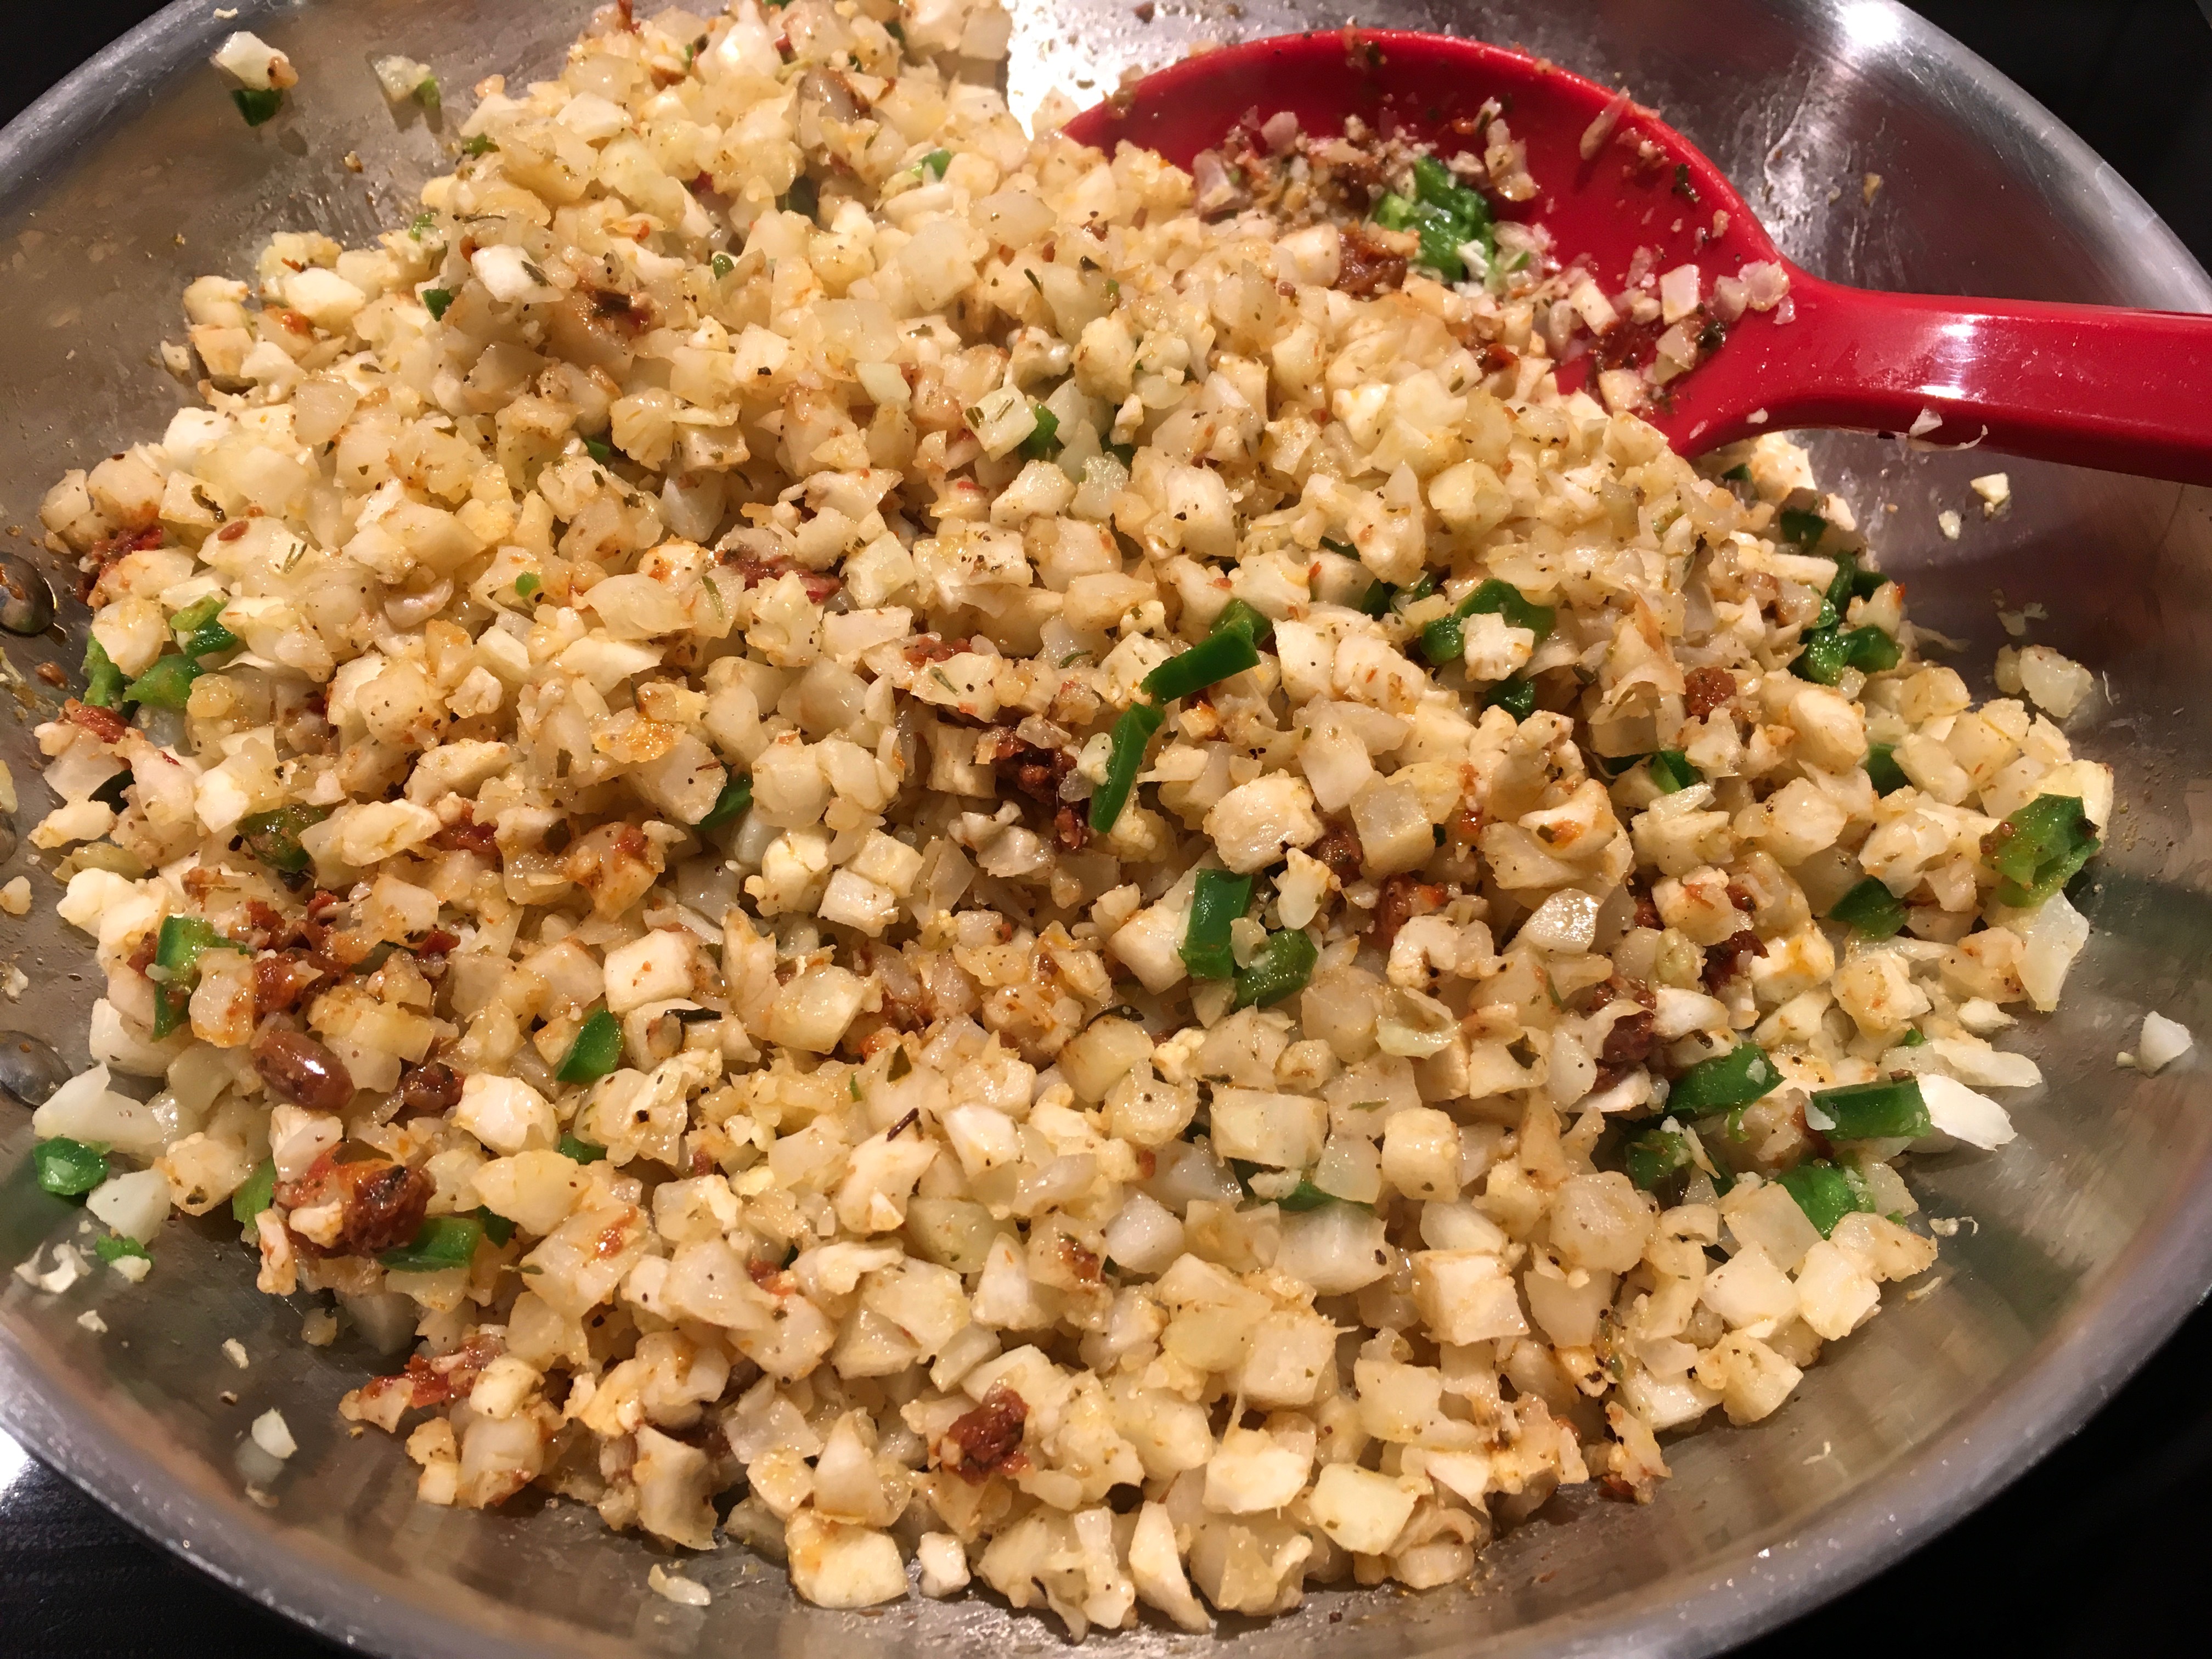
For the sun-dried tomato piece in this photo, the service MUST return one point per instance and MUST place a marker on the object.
(1705, 690)
(988, 1439)
(1724, 961)
(1404, 896)
(103, 723)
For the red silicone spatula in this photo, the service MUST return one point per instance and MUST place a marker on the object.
(2093, 385)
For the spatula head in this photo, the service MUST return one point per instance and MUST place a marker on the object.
(1642, 186)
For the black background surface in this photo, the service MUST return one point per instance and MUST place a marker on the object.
(2096, 1551)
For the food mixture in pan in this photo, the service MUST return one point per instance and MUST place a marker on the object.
(968, 859)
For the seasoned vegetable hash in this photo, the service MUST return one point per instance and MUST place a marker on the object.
(940, 854)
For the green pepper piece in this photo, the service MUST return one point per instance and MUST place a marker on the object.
(195, 616)
(1850, 582)
(1882, 769)
(1869, 909)
(103, 680)
(596, 1051)
(1912, 1039)
(1433, 183)
(255, 1193)
(429, 95)
(497, 1227)
(177, 950)
(803, 197)
(1376, 601)
(1440, 239)
(1253, 624)
(936, 161)
(482, 144)
(1043, 441)
(1654, 1155)
(274, 836)
(257, 104)
(1803, 528)
(721, 264)
(581, 1152)
(69, 1169)
(1220, 899)
(1869, 1111)
(1284, 964)
(1826, 654)
(1824, 1192)
(1724, 1081)
(1509, 602)
(1444, 638)
(733, 803)
(1517, 697)
(600, 451)
(211, 639)
(1871, 651)
(444, 1240)
(1209, 662)
(1442, 214)
(1132, 732)
(1672, 771)
(2038, 849)
(116, 1246)
(1853, 582)
(166, 683)
(1306, 1196)
(1740, 473)
(435, 300)
(1394, 212)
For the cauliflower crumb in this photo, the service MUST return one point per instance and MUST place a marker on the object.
(2163, 1042)
(68, 1267)
(1947, 522)
(684, 1592)
(255, 64)
(1996, 490)
(234, 1352)
(273, 1435)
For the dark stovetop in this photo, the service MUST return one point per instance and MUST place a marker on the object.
(2105, 1521)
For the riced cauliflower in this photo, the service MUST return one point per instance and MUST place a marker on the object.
(1036, 862)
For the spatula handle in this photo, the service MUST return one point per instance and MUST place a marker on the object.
(2093, 385)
